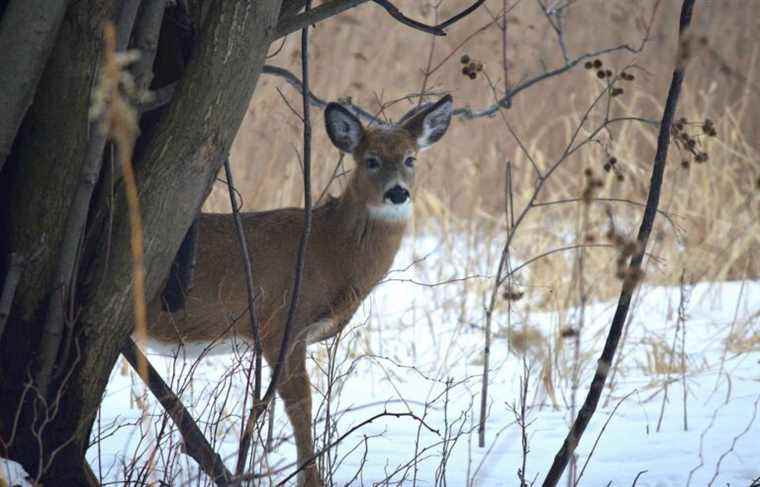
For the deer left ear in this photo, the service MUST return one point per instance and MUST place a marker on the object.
(429, 122)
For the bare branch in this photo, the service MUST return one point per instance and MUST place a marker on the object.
(146, 33)
(343, 437)
(328, 9)
(394, 12)
(15, 266)
(247, 433)
(291, 24)
(196, 444)
(629, 285)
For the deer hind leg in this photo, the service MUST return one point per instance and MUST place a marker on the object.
(295, 390)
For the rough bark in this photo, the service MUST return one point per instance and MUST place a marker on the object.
(174, 176)
(51, 147)
(27, 32)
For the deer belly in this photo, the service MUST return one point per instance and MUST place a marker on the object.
(193, 350)
(321, 330)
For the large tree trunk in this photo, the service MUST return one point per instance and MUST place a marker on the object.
(175, 171)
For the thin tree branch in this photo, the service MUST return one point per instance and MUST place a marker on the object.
(12, 277)
(394, 12)
(127, 17)
(664, 213)
(27, 34)
(247, 433)
(291, 24)
(329, 9)
(342, 437)
(300, 259)
(146, 34)
(465, 113)
(629, 285)
(196, 444)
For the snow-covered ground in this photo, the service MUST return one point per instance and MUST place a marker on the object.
(416, 346)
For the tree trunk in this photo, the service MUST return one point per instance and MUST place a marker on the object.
(175, 171)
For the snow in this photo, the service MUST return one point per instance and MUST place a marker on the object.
(13, 474)
(416, 345)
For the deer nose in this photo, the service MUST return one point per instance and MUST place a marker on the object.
(397, 194)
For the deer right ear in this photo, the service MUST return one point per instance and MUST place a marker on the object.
(343, 128)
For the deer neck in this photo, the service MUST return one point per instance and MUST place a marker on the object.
(371, 241)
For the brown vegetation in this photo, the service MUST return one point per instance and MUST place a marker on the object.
(463, 189)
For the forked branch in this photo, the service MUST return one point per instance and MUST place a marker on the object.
(629, 285)
(329, 9)
(196, 444)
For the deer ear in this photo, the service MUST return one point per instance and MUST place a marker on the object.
(343, 128)
(427, 123)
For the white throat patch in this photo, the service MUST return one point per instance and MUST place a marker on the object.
(392, 213)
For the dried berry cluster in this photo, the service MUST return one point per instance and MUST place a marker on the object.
(471, 67)
(592, 184)
(512, 294)
(627, 247)
(612, 166)
(690, 142)
(568, 332)
(597, 65)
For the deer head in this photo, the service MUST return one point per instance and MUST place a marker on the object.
(385, 155)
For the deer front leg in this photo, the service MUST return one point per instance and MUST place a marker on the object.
(295, 390)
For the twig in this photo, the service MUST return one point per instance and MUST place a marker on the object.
(196, 444)
(636, 479)
(351, 431)
(12, 277)
(734, 441)
(331, 8)
(145, 36)
(611, 200)
(436, 30)
(601, 432)
(629, 285)
(299, 267)
(247, 433)
(298, 22)
(394, 12)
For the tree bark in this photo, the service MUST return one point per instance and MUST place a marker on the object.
(174, 175)
(27, 32)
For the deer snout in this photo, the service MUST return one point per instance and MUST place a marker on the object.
(397, 195)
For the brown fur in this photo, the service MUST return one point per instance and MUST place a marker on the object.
(348, 253)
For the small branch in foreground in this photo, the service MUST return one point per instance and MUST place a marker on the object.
(436, 30)
(247, 433)
(343, 437)
(301, 257)
(329, 9)
(613, 337)
(12, 277)
(196, 444)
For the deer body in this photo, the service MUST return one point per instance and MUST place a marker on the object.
(353, 242)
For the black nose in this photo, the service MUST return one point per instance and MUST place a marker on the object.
(397, 195)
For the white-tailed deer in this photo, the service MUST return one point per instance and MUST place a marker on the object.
(353, 241)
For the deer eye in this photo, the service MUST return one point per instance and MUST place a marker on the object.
(372, 162)
(409, 161)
